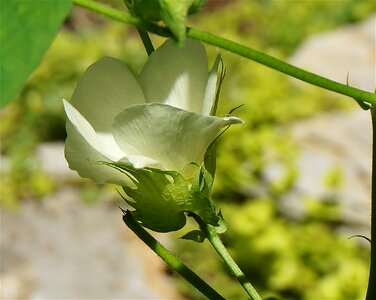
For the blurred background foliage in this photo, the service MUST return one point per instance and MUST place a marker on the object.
(285, 258)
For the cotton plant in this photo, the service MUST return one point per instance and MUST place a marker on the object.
(153, 134)
(150, 133)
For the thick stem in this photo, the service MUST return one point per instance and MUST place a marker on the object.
(169, 258)
(215, 240)
(236, 48)
(371, 292)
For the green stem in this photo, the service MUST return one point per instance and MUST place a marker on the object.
(121, 16)
(143, 35)
(282, 66)
(146, 41)
(236, 48)
(371, 292)
(108, 11)
(215, 240)
(169, 258)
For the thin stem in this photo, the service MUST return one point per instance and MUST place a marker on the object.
(281, 66)
(371, 292)
(169, 258)
(216, 242)
(143, 35)
(260, 57)
(146, 41)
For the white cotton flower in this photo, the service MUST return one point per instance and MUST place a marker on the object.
(160, 119)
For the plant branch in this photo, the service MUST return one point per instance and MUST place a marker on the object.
(260, 57)
(282, 66)
(169, 258)
(146, 41)
(121, 16)
(108, 11)
(371, 292)
(143, 35)
(216, 242)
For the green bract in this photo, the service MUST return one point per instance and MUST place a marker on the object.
(161, 198)
(158, 122)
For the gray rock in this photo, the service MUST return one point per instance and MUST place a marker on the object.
(61, 248)
(4, 164)
(349, 51)
(50, 158)
(335, 140)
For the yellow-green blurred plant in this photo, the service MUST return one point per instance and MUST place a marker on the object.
(283, 258)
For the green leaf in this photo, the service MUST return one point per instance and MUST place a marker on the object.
(222, 225)
(173, 13)
(194, 235)
(161, 198)
(202, 181)
(27, 30)
(204, 178)
(148, 10)
(196, 6)
(210, 162)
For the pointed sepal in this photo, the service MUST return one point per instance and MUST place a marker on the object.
(195, 235)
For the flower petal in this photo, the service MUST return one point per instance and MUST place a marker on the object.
(211, 88)
(176, 76)
(84, 148)
(106, 88)
(173, 137)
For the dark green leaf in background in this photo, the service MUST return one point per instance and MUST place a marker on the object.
(27, 29)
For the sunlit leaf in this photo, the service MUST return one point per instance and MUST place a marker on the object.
(27, 30)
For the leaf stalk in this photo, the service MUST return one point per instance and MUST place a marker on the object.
(214, 239)
(170, 258)
(371, 291)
